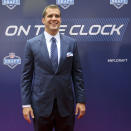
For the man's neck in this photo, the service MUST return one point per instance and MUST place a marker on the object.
(52, 33)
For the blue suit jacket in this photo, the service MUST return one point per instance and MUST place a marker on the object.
(40, 84)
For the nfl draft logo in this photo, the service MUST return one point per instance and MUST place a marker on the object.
(12, 60)
(118, 3)
(11, 4)
(65, 3)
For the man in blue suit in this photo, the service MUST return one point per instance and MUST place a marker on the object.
(52, 77)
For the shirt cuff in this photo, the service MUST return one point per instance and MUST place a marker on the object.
(26, 106)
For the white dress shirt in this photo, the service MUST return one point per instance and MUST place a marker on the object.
(48, 44)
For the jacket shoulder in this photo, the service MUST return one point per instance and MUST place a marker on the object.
(34, 39)
(68, 38)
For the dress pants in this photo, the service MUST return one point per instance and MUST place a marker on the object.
(54, 121)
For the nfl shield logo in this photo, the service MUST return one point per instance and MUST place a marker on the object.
(65, 3)
(11, 4)
(12, 60)
(118, 3)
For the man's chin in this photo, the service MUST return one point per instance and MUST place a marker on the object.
(55, 29)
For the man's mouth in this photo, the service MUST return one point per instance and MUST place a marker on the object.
(54, 23)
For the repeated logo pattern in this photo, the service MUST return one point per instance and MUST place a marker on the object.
(11, 4)
(12, 60)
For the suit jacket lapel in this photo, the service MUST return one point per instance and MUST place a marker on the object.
(63, 50)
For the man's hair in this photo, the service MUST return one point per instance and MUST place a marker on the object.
(52, 7)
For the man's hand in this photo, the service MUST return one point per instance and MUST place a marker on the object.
(80, 109)
(27, 112)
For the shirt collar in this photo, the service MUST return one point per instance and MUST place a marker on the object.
(48, 36)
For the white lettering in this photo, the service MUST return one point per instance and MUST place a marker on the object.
(61, 29)
(38, 27)
(117, 30)
(14, 29)
(117, 60)
(104, 28)
(98, 27)
(75, 30)
(81, 30)
(72, 28)
(22, 29)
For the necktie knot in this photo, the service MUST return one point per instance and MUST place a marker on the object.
(53, 40)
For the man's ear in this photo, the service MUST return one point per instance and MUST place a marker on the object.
(43, 20)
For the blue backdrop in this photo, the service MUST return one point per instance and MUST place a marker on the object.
(103, 34)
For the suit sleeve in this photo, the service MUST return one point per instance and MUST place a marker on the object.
(77, 77)
(27, 75)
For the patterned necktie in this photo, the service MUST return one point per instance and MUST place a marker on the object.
(54, 54)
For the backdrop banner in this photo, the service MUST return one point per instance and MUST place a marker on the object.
(102, 29)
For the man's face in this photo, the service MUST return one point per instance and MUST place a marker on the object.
(52, 20)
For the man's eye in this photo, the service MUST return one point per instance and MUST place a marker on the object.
(57, 16)
(50, 16)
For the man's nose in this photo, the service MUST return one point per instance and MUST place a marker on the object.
(54, 17)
